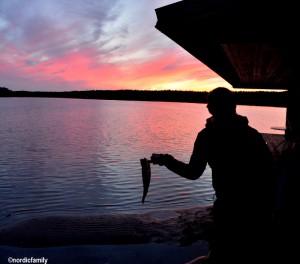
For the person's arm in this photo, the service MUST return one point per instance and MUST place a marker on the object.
(194, 169)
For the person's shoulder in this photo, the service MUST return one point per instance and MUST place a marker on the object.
(253, 131)
(203, 132)
(243, 123)
(254, 135)
(202, 136)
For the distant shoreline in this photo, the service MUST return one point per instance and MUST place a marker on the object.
(275, 99)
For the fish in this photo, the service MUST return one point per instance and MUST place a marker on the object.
(146, 175)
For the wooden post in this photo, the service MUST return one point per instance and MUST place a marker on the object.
(293, 114)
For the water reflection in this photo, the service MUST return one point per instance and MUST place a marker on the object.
(68, 156)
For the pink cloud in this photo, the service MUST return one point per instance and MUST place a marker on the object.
(83, 70)
(47, 47)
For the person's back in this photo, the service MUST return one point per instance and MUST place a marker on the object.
(237, 155)
(241, 166)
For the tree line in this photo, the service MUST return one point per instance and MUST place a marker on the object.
(258, 98)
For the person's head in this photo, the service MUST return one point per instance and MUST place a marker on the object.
(221, 102)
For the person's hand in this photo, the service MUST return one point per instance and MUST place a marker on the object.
(158, 159)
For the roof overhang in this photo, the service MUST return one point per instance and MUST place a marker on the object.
(249, 43)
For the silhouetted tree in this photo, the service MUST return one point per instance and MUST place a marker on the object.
(5, 92)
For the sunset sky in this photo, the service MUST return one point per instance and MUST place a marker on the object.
(62, 45)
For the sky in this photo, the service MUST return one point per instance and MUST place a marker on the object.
(63, 45)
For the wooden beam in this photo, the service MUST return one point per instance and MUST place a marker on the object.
(293, 114)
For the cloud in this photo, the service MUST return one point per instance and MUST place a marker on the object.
(88, 44)
(54, 28)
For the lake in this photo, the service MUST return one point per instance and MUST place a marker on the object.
(78, 156)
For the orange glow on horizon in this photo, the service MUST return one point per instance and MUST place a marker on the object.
(172, 71)
(85, 71)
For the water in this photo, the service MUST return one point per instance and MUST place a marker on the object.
(73, 156)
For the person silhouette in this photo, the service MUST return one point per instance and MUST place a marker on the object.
(242, 178)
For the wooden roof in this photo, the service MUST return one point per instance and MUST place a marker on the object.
(249, 43)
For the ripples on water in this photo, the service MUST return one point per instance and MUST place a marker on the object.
(68, 156)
